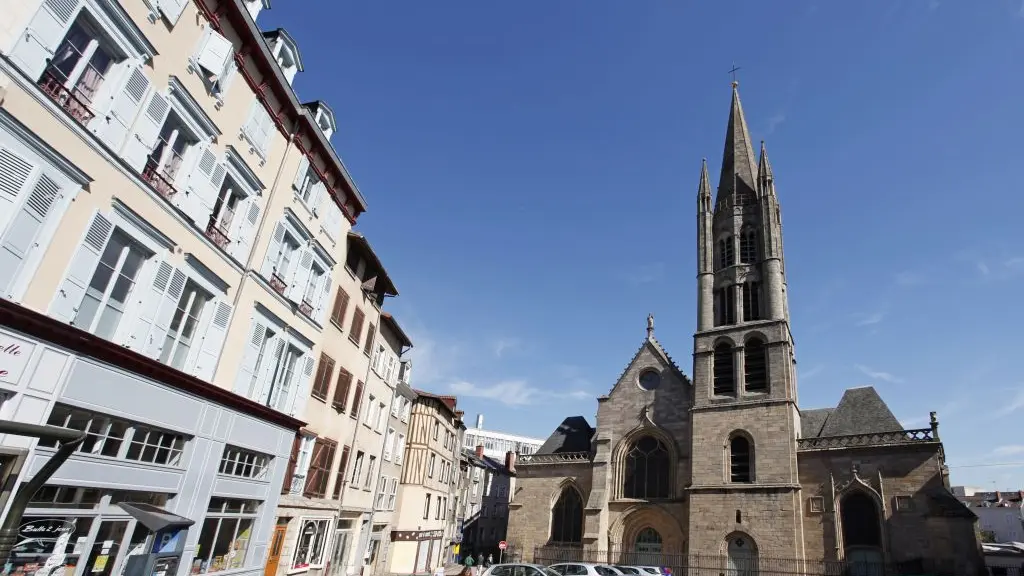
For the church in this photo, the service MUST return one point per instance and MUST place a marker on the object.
(723, 470)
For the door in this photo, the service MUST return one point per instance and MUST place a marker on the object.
(338, 557)
(422, 556)
(274, 551)
(106, 547)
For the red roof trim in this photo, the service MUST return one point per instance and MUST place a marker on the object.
(32, 323)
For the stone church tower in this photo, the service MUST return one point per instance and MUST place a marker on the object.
(744, 377)
(724, 473)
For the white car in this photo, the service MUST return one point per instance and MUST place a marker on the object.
(518, 569)
(643, 570)
(585, 569)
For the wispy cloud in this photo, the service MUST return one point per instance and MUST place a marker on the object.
(909, 278)
(810, 373)
(774, 122)
(502, 345)
(646, 273)
(933, 5)
(513, 392)
(869, 319)
(878, 375)
(1010, 450)
(983, 268)
(1012, 406)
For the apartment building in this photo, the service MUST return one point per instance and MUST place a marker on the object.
(489, 487)
(423, 535)
(171, 217)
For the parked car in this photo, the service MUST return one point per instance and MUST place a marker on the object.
(585, 569)
(518, 569)
(653, 570)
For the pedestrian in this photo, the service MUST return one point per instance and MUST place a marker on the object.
(469, 561)
(490, 559)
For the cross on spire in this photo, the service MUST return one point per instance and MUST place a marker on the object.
(733, 71)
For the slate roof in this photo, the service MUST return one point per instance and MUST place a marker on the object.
(860, 411)
(948, 504)
(485, 462)
(572, 435)
(738, 167)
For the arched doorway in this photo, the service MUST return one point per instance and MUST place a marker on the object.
(862, 534)
(647, 548)
(741, 554)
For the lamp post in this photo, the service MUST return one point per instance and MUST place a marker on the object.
(69, 442)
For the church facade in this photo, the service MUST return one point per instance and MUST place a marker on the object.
(724, 469)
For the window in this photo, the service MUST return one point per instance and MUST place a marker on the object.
(341, 390)
(311, 295)
(107, 436)
(224, 539)
(392, 493)
(272, 367)
(816, 504)
(78, 68)
(724, 375)
(726, 252)
(647, 469)
(244, 463)
(322, 380)
(355, 332)
(224, 218)
(370, 470)
(309, 549)
(182, 331)
(406, 410)
(396, 406)
(282, 260)
(308, 187)
(437, 429)
(106, 297)
(370, 333)
(320, 468)
(382, 411)
(725, 305)
(751, 301)
(356, 401)
(748, 245)
(339, 478)
(740, 460)
(258, 129)
(357, 470)
(298, 464)
(755, 365)
(371, 415)
(430, 466)
(382, 493)
(167, 157)
(282, 374)
(400, 449)
(426, 508)
(340, 306)
(567, 518)
(214, 58)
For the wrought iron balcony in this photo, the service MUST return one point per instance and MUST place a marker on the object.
(159, 179)
(306, 308)
(74, 104)
(278, 283)
(899, 437)
(216, 235)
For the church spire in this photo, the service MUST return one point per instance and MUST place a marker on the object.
(765, 178)
(738, 168)
(704, 188)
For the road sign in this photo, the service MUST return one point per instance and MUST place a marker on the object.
(502, 545)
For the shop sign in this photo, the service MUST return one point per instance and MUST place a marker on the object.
(14, 355)
(45, 529)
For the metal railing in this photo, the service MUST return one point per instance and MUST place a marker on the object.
(563, 457)
(76, 105)
(158, 178)
(920, 435)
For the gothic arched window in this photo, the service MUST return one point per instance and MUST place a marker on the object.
(755, 365)
(726, 252)
(647, 469)
(861, 527)
(741, 459)
(748, 245)
(567, 517)
(724, 373)
(751, 301)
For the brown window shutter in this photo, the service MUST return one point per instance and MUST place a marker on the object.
(320, 468)
(370, 332)
(357, 400)
(340, 307)
(292, 460)
(356, 332)
(341, 390)
(322, 381)
(339, 478)
(314, 470)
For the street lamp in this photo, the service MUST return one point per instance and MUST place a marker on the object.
(69, 442)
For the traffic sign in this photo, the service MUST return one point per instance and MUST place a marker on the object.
(502, 545)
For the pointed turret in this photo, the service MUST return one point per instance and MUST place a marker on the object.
(704, 188)
(738, 168)
(705, 251)
(765, 178)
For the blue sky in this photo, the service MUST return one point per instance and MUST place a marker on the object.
(531, 171)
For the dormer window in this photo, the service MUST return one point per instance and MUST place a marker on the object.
(324, 118)
(285, 52)
(286, 59)
(254, 7)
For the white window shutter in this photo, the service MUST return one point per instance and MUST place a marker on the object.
(301, 270)
(301, 382)
(258, 128)
(300, 174)
(16, 174)
(172, 9)
(322, 305)
(264, 391)
(331, 222)
(22, 235)
(124, 107)
(147, 130)
(213, 341)
(165, 314)
(80, 270)
(316, 196)
(43, 36)
(266, 129)
(250, 358)
(273, 249)
(146, 306)
(224, 82)
(244, 225)
(214, 53)
(200, 195)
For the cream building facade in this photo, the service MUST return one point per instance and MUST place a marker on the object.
(425, 523)
(166, 199)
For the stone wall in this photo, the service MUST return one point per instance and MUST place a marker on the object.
(537, 488)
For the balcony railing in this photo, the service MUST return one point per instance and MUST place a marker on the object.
(216, 234)
(563, 458)
(74, 104)
(156, 176)
(306, 308)
(298, 484)
(278, 283)
(921, 435)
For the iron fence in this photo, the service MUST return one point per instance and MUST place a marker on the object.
(682, 564)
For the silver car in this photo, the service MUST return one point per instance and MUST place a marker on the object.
(518, 569)
(585, 569)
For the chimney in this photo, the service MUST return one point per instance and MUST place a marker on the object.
(479, 421)
(510, 461)
(479, 450)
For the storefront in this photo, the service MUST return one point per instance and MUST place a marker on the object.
(425, 548)
(164, 442)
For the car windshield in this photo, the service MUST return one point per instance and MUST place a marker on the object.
(549, 572)
(628, 570)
